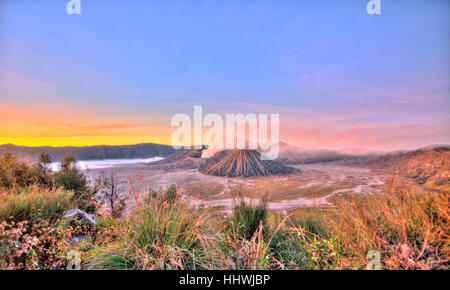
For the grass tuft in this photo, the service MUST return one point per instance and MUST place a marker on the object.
(161, 233)
(247, 216)
(33, 203)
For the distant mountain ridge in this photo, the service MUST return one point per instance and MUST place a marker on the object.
(290, 154)
(188, 159)
(428, 165)
(144, 150)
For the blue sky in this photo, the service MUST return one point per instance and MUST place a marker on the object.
(138, 62)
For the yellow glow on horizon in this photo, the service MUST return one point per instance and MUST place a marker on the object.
(66, 124)
(78, 141)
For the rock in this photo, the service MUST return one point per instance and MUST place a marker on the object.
(78, 239)
(81, 216)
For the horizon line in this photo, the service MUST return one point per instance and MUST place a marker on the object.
(338, 150)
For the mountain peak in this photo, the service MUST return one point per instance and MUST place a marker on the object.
(246, 163)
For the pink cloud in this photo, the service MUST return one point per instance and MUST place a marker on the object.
(371, 136)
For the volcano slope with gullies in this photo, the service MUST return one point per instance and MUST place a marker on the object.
(246, 163)
(227, 163)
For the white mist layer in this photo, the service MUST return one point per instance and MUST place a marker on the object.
(105, 163)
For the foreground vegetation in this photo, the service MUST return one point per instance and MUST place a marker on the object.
(408, 228)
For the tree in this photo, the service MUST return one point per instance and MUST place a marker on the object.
(68, 162)
(72, 178)
(44, 161)
(109, 192)
(41, 171)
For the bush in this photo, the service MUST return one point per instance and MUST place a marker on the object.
(247, 217)
(72, 178)
(18, 173)
(14, 172)
(288, 250)
(171, 194)
(47, 246)
(297, 246)
(32, 247)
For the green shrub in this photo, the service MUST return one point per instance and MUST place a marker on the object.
(72, 178)
(69, 176)
(13, 172)
(296, 245)
(171, 194)
(247, 217)
(288, 249)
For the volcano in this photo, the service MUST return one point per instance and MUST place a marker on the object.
(246, 163)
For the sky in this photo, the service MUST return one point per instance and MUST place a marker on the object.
(117, 73)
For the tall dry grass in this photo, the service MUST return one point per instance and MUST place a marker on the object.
(162, 232)
(409, 228)
(33, 203)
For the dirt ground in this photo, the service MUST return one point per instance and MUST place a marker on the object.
(312, 187)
